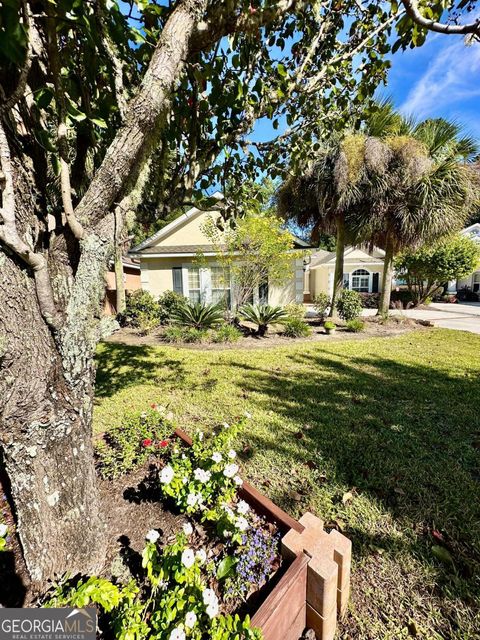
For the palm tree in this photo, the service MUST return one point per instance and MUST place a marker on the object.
(417, 187)
(395, 184)
(324, 198)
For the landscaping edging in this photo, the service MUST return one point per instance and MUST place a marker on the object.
(314, 590)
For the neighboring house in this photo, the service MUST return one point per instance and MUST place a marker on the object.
(131, 282)
(471, 282)
(169, 261)
(362, 271)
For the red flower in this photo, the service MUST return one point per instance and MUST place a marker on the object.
(153, 406)
(163, 444)
(147, 442)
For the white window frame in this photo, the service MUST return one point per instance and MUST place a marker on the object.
(368, 274)
(205, 281)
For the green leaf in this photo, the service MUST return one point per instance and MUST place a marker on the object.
(442, 554)
(225, 567)
(100, 122)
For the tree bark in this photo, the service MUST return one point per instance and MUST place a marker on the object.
(386, 294)
(339, 257)
(45, 431)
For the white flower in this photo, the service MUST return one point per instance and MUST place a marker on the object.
(228, 510)
(187, 529)
(188, 558)
(230, 470)
(217, 456)
(226, 425)
(247, 414)
(227, 533)
(201, 475)
(212, 610)
(209, 596)
(238, 481)
(177, 634)
(3, 530)
(152, 536)
(243, 507)
(190, 619)
(200, 435)
(184, 479)
(167, 474)
(242, 523)
(201, 555)
(232, 454)
(192, 499)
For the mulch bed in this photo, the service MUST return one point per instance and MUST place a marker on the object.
(373, 328)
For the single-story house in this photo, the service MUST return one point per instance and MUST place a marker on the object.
(363, 271)
(471, 282)
(131, 282)
(169, 260)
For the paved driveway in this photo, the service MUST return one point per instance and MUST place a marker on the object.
(463, 316)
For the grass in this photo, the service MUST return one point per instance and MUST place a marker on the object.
(379, 437)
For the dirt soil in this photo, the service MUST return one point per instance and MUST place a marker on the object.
(373, 328)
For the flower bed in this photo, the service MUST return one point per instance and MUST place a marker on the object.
(225, 563)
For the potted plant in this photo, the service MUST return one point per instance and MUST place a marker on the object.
(329, 327)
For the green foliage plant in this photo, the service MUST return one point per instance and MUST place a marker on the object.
(349, 304)
(356, 325)
(125, 447)
(321, 303)
(198, 315)
(296, 328)
(295, 311)
(168, 303)
(263, 315)
(226, 333)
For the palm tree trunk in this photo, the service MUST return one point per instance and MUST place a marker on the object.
(339, 253)
(385, 296)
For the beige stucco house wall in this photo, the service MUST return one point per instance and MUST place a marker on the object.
(169, 262)
(363, 271)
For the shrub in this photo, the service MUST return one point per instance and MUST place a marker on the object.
(370, 300)
(128, 445)
(192, 334)
(321, 303)
(176, 335)
(198, 315)
(329, 325)
(349, 304)
(296, 328)
(356, 325)
(141, 310)
(168, 303)
(295, 311)
(226, 333)
(401, 299)
(262, 315)
(146, 323)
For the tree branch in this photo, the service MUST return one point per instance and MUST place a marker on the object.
(62, 141)
(10, 237)
(413, 12)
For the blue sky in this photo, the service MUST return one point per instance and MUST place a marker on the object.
(442, 78)
(439, 79)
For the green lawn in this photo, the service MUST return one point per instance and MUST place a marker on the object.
(395, 422)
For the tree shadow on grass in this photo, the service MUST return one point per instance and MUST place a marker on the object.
(120, 366)
(405, 435)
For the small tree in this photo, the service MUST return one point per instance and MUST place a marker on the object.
(349, 304)
(255, 251)
(431, 266)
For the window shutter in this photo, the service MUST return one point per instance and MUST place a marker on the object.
(375, 283)
(177, 280)
(345, 280)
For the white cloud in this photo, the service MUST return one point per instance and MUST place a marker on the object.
(452, 77)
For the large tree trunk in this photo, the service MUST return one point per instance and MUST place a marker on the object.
(386, 294)
(339, 253)
(120, 301)
(45, 432)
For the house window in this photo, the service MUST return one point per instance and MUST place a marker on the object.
(220, 279)
(476, 281)
(361, 281)
(194, 284)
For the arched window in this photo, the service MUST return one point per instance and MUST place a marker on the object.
(361, 280)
